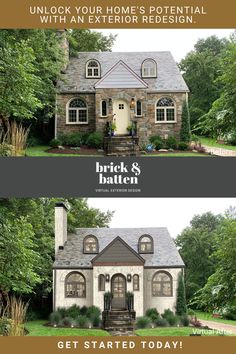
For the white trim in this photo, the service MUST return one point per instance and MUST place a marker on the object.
(165, 121)
(98, 68)
(77, 110)
(55, 122)
(101, 115)
(155, 67)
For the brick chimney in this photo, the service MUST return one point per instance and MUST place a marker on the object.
(62, 36)
(60, 226)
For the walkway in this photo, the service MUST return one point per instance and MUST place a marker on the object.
(219, 326)
(219, 151)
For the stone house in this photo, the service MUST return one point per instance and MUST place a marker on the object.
(93, 261)
(145, 89)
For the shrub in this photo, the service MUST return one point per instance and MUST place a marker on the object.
(55, 317)
(195, 322)
(7, 150)
(152, 313)
(83, 310)
(184, 320)
(161, 322)
(171, 143)
(157, 141)
(232, 139)
(185, 134)
(73, 139)
(95, 140)
(191, 312)
(73, 311)
(92, 312)
(183, 146)
(33, 141)
(54, 143)
(229, 313)
(67, 321)
(167, 313)
(82, 321)
(62, 311)
(96, 321)
(170, 317)
(143, 322)
(84, 138)
(5, 326)
(181, 307)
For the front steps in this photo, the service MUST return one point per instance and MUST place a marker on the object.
(121, 145)
(121, 321)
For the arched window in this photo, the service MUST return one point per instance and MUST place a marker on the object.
(138, 108)
(101, 282)
(75, 285)
(135, 282)
(145, 244)
(149, 68)
(77, 112)
(162, 284)
(103, 108)
(90, 244)
(165, 110)
(93, 69)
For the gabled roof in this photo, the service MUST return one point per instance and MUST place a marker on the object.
(169, 78)
(165, 252)
(118, 252)
(121, 76)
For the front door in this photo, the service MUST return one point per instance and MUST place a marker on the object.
(121, 114)
(118, 289)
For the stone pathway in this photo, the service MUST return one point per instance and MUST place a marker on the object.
(231, 329)
(122, 333)
(219, 151)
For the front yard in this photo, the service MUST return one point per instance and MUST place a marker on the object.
(208, 317)
(213, 143)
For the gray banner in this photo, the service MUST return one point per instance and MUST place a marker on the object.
(159, 177)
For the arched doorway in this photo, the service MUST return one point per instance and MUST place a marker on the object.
(118, 289)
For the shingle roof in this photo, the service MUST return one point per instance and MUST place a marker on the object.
(165, 252)
(169, 78)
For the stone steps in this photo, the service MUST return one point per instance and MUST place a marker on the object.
(118, 320)
(121, 146)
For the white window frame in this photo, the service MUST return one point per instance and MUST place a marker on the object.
(149, 75)
(139, 115)
(77, 112)
(101, 115)
(93, 68)
(164, 108)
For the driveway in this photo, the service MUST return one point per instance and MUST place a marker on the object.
(219, 326)
(217, 151)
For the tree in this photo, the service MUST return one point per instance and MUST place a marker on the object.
(196, 246)
(181, 308)
(85, 40)
(201, 67)
(185, 133)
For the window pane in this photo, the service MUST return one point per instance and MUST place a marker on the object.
(77, 103)
(92, 63)
(165, 102)
(82, 115)
(170, 114)
(139, 108)
(160, 115)
(104, 108)
(72, 115)
(90, 72)
(95, 72)
(101, 282)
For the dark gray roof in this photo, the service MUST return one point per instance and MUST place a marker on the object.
(169, 78)
(165, 252)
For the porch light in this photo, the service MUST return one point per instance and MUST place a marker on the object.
(132, 103)
(107, 277)
(129, 277)
(110, 101)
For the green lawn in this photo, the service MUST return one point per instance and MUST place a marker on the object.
(173, 331)
(37, 328)
(41, 150)
(213, 143)
(208, 317)
(178, 154)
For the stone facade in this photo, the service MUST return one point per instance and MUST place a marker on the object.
(146, 124)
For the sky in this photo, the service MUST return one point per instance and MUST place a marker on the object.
(173, 213)
(178, 41)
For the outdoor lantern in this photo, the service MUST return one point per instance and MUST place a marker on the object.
(107, 277)
(132, 103)
(129, 277)
(110, 101)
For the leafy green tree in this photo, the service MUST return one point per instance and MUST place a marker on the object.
(220, 290)
(181, 308)
(185, 133)
(19, 263)
(86, 40)
(196, 245)
(201, 67)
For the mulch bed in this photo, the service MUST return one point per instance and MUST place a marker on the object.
(82, 151)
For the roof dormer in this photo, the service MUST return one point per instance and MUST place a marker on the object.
(149, 68)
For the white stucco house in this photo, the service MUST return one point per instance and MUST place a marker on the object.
(92, 261)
